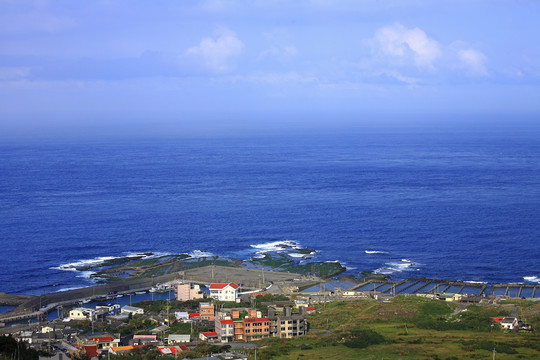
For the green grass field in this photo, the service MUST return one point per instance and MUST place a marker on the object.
(408, 328)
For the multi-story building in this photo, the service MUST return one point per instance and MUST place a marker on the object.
(287, 325)
(224, 292)
(206, 311)
(186, 292)
(249, 328)
(256, 328)
(224, 328)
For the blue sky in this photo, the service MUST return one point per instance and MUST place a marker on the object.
(197, 67)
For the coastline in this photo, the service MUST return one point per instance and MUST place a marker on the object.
(276, 282)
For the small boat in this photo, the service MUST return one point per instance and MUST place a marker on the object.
(85, 301)
(119, 296)
(140, 292)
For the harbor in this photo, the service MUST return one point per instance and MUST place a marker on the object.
(128, 290)
(50, 306)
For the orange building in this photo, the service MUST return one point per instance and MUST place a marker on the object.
(256, 328)
(206, 310)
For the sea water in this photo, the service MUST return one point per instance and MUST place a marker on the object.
(451, 205)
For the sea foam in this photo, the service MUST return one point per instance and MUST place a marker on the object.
(534, 279)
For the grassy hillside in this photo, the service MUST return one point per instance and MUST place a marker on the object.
(409, 328)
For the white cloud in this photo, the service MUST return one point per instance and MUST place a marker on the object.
(13, 73)
(281, 53)
(280, 78)
(399, 43)
(217, 53)
(404, 54)
(281, 49)
(473, 60)
(405, 79)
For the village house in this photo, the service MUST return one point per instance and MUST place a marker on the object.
(224, 327)
(509, 323)
(174, 339)
(172, 350)
(450, 297)
(311, 310)
(181, 316)
(206, 311)
(140, 339)
(224, 292)
(132, 310)
(103, 342)
(186, 292)
(82, 314)
(209, 336)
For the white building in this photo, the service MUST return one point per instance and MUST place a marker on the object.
(178, 338)
(224, 292)
(181, 315)
(108, 307)
(131, 310)
(509, 323)
(82, 314)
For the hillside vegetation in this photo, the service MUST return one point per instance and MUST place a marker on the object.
(409, 328)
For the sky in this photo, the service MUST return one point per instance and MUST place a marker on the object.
(222, 66)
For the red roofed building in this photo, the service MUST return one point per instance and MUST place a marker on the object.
(166, 350)
(224, 328)
(310, 310)
(91, 350)
(103, 342)
(224, 292)
(208, 336)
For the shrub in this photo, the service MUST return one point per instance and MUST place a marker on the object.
(363, 338)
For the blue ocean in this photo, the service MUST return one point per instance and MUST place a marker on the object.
(458, 205)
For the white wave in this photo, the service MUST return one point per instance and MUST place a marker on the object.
(277, 246)
(63, 268)
(296, 255)
(475, 282)
(86, 263)
(70, 288)
(333, 261)
(86, 274)
(384, 271)
(375, 252)
(200, 254)
(394, 267)
(534, 279)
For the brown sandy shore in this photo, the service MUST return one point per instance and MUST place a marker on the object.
(26, 304)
